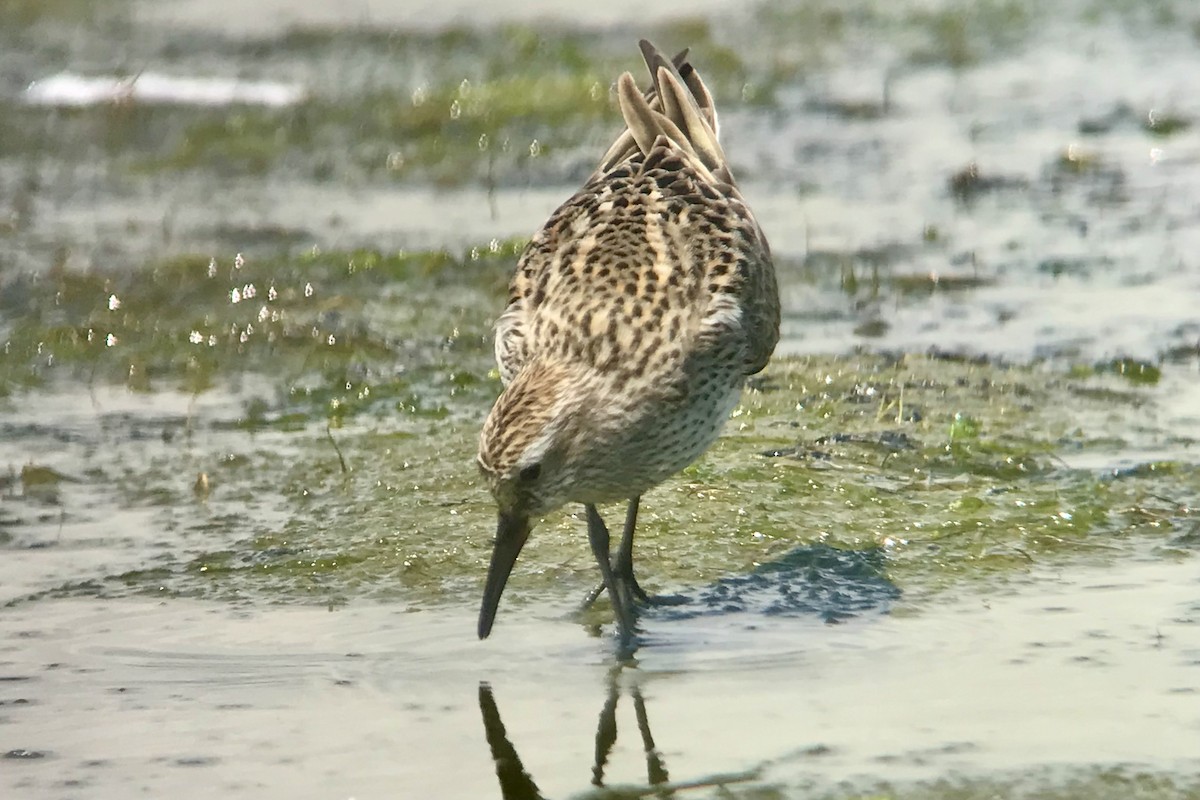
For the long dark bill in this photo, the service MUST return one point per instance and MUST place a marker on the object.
(511, 533)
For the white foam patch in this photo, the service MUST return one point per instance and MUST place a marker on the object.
(70, 89)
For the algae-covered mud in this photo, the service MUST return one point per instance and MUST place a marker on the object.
(946, 548)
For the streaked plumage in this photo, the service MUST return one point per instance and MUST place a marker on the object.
(633, 319)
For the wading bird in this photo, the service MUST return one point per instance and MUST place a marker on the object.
(633, 319)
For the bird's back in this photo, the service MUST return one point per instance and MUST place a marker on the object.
(641, 305)
(656, 267)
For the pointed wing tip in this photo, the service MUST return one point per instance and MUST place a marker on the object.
(649, 50)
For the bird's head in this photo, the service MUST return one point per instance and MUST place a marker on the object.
(529, 455)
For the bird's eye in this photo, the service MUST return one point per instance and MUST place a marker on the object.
(531, 472)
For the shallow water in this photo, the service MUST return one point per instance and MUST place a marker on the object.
(1066, 668)
(241, 543)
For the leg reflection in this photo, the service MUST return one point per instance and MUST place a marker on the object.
(517, 784)
(656, 770)
(606, 735)
(606, 729)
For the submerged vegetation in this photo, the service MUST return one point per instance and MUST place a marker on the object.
(954, 470)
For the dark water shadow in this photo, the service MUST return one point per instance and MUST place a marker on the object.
(517, 784)
(816, 580)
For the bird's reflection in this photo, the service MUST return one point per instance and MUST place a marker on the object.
(813, 581)
(517, 784)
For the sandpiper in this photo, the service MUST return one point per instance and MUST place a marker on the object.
(634, 317)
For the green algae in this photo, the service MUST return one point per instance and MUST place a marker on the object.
(28, 12)
(372, 371)
(954, 34)
(190, 321)
(952, 470)
(448, 134)
(465, 106)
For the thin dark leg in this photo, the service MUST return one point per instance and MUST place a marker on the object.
(623, 565)
(618, 590)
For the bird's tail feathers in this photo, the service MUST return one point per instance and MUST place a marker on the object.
(677, 106)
